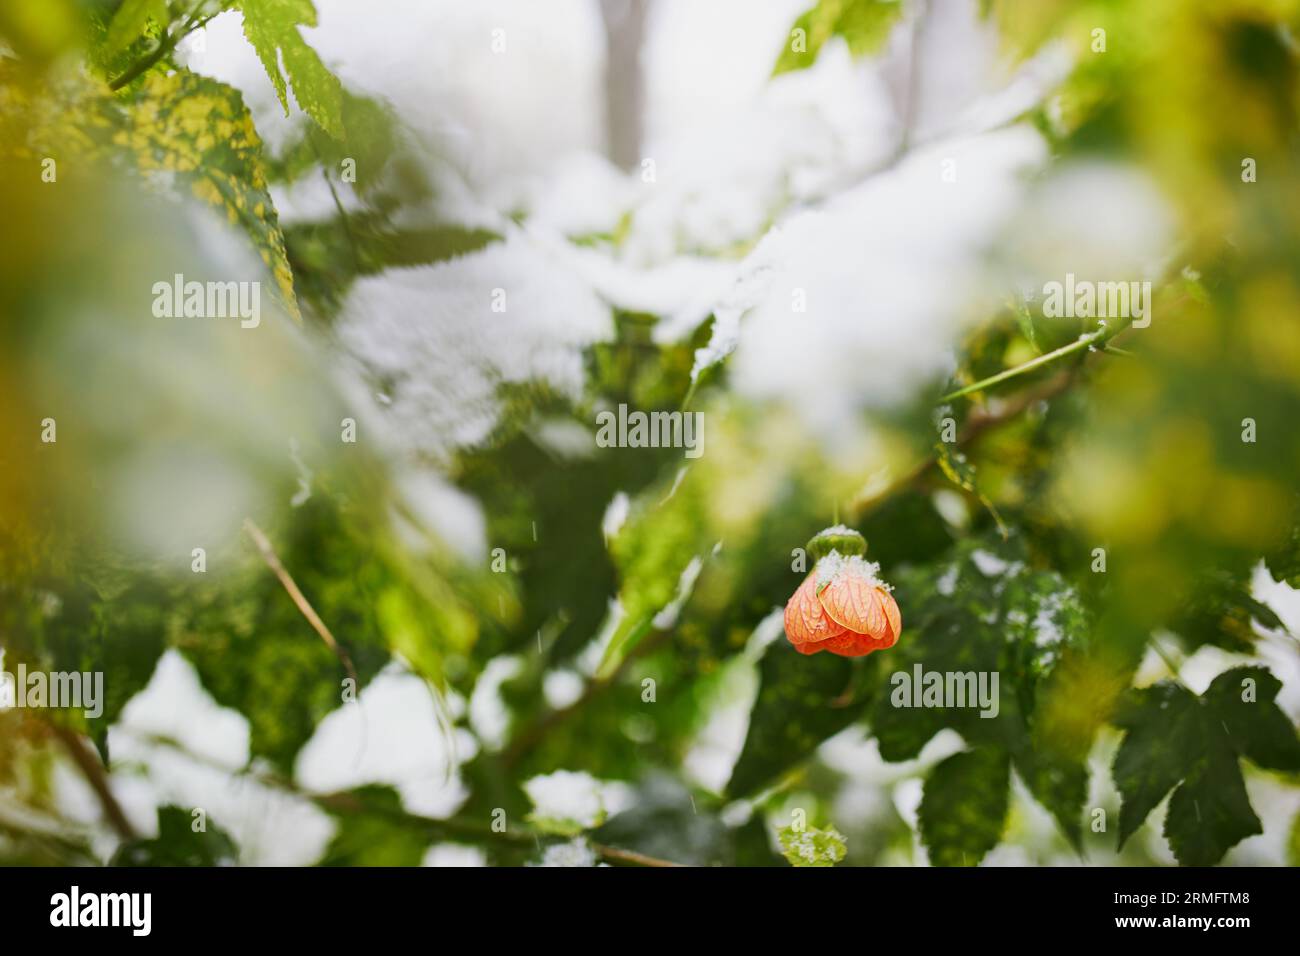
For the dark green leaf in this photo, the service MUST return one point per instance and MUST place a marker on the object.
(964, 806)
(179, 844)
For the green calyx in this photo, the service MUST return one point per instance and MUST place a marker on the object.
(839, 538)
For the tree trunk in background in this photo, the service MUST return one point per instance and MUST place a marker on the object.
(624, 85)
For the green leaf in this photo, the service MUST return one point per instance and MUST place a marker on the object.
(802, 700)
(1293, 843)
(271, 26)
(959, 469)
(1284, 562)
(375, 831)
(199, 130)
(1162, 724)
(809, 846)
(864, 25)
(1222, 612)
(1176, 739)
(964, 806)
(254, 650)
(1060, 784)
(179, 844)
(131, 20)
(1025, 320)
(667, 822)
(1242, 699)
(1211, 811)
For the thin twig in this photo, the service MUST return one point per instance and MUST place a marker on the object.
(95, 774)
(978, 423)
(273, 562)
(615, 855)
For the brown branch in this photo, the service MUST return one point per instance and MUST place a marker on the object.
(273, 562)
(91, 768)
(976, 425)
(614, 854)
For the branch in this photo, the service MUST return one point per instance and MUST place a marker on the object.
(613, 854)
(273, 562)
(978, 423)
(91, 768)
(450, 828)
(1100, 336)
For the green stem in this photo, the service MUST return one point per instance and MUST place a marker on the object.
(188, 25)
(1100, 336)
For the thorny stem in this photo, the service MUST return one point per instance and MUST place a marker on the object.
(1097, 337)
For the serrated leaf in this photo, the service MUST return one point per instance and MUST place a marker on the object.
(964, 806)
(1174, 738)
(1060, 784)
(809, 846)
(864, 25)
(1162, 724)
(1210, 812)
(272, 27)
(1242, 701)
(802, 700)
(1284, 562)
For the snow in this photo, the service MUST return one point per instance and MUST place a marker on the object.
(667, 616)
(567, 795)
(200, 768)
(395, 733)
(454, 854)
(429, 340)
(488, 714)
(889, 272)
(1101, 221)
(835, 565)
(562, 687)
(482, 117)
(573, 853)
(615, 516)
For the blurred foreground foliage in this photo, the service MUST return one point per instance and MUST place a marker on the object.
(992, 547)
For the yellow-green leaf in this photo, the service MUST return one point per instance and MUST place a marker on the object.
(271, 26)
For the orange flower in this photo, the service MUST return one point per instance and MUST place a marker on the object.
(842, 607)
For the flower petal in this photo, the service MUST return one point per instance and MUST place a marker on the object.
(895, 619)
(805, 620)
(852, 644)
(854, 602)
